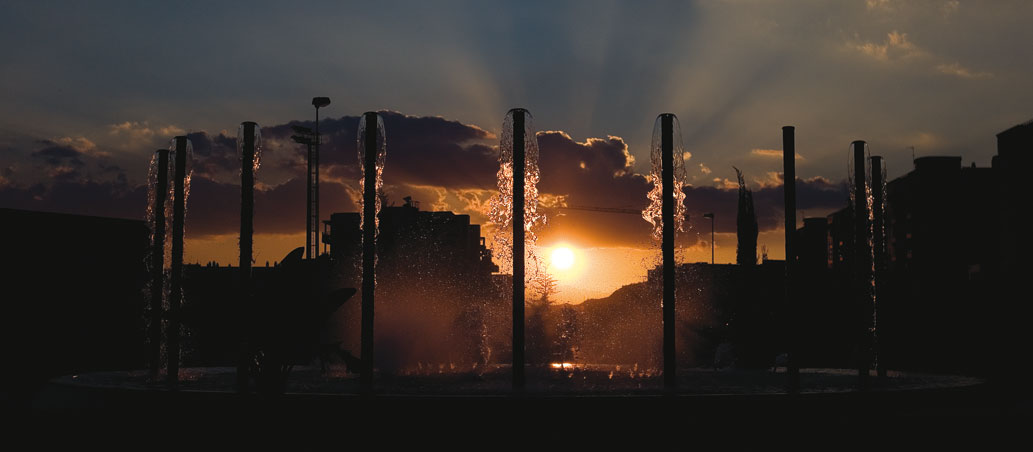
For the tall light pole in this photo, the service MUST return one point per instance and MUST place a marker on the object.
(305, 135)
(312, 216)
(711, 217)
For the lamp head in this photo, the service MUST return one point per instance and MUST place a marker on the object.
(320, 101)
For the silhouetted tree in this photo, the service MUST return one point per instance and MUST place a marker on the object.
(540, 349)
(546, 288)
(746, 225)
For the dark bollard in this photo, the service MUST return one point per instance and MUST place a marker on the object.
(789, 189)
(161, 188)
(176, 278)
(247, 143)
(518, 248)
(878, 252)
(861, 267)
(667, 214)
(369, 246)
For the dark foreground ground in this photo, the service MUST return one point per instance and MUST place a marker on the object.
(558, 401)
(569, 409)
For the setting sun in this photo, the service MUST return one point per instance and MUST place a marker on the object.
(562, 258)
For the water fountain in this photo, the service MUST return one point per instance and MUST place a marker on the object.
(372, 149)
(158, 187)
(181, 150)
(878, 215)
(516, 207)
(862, 262)
(249, 149)
(666, 212)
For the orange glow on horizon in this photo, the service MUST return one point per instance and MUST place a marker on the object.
(594, 271)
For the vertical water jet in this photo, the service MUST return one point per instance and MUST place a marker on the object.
(181, 150)
(667, 175)
(862, 263)
(372, 149)
(515, 213)
(249, 149)
(878, 189)
(654, 212)
(666, 212)
(518, 249)
(789, 189)
(159, 193)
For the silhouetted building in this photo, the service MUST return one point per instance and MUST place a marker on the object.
(957, 243)
(840, 239)
(942, 225)
(73, 296)
(1014, 146)
(812, 244)
(1013, 162)
(436, 297)
(414, 241)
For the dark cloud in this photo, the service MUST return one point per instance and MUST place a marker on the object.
(84, 197)
(77, 182)
(816, 193)
(214, 207)
(421, 150)
(214, 155)
(596, 173)
(60, 162)
(445, 164)
(57, 155)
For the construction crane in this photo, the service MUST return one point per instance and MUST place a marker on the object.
(602, 209)
(605, 210)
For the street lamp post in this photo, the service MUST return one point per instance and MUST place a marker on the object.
(312, 218)
(314, 184)
(711, 217)
(305, 135)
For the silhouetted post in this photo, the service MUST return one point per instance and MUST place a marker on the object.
(518, 249)
(789, 188)
(369, 248)
(879, 253)
(667, 217)
(176, 278)
(862, 265)
(710, 215)
(161, 188)
(247, 216)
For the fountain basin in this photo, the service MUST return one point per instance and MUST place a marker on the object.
(584, 393)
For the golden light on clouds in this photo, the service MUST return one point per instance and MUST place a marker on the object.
(772, 153)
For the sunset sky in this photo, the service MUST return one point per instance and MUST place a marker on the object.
(91, 89)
